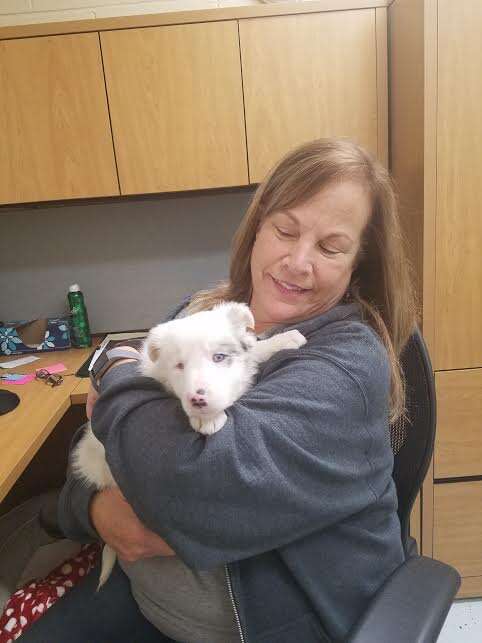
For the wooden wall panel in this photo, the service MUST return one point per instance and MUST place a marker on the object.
(458, 526)
(458, 309)
(458, 447)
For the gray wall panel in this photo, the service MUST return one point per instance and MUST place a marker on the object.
(133, 259)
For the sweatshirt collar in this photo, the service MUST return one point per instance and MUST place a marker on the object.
(340, 312)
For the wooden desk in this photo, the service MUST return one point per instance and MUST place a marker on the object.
(24, 430)
(79, 394)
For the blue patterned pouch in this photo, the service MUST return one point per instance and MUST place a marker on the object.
(34, 336)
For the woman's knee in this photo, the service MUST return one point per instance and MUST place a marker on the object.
(109, 615)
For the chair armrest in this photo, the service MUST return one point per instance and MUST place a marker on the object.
(412, 605)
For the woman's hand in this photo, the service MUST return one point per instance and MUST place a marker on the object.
(121, 529)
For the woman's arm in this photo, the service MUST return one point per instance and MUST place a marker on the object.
(303, 449)
(86, 514)
(119, 527)
(74, 503)
(76, 498)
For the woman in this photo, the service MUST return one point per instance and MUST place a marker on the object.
(282, 526)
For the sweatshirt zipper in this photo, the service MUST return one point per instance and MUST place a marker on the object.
(233, 602)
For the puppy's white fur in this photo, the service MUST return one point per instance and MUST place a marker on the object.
(208, 360)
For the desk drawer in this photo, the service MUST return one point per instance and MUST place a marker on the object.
(457, 529)
(458, 447)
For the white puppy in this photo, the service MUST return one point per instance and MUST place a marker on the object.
(208, 360)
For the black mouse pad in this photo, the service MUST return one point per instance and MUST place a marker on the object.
(8, 401)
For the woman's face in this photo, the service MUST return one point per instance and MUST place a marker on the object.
(302, 258)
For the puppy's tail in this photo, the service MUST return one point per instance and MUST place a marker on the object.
(108, 561)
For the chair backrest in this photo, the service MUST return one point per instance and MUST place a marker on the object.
(413, 437)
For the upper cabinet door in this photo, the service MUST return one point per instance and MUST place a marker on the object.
(458, 271)
(54, 123)
(306, 77)
(176, 103)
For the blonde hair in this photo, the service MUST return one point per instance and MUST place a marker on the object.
(381, 280)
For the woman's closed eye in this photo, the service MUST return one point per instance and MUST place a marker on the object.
(290, 235)
(328, 251)
(286, 234)
(283, 233)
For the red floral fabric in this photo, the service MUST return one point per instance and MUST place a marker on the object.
(29, 602)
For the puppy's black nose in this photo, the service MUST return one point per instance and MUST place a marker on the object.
(198, 401)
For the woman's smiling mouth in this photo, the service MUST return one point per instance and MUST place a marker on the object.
(287, 288)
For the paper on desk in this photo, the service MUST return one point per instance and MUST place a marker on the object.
(19, 362)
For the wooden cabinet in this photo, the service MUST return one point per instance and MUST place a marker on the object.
(176, 104)
(436, 133)
(195, 100)
(305, 77)
(54, 122)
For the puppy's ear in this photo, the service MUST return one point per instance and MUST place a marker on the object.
(155, 341)
(240, 315)
(153, 350)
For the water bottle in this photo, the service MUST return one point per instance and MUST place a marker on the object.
(81, 337)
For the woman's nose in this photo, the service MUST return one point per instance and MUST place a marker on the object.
(299, 260)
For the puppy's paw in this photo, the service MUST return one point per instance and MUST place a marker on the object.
(195, 422)
(208, 427)
(292, 339)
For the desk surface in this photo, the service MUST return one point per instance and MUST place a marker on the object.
(23, 430)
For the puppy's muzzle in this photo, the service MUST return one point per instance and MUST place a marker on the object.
(198, 400)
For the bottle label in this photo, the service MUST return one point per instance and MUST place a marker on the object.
(80, 323)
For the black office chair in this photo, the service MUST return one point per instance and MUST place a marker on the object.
(411, 607)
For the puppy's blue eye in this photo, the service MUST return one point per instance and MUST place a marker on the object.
(180, 366)
(219, 357)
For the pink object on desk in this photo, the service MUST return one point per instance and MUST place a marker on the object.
(55, 368)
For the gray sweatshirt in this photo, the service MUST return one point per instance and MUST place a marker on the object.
(302, 469)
